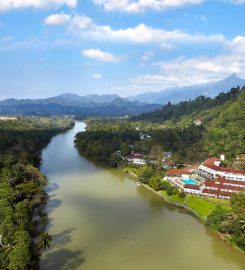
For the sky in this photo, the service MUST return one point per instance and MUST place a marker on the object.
(126, 47)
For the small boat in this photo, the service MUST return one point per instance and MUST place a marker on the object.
(138, 183)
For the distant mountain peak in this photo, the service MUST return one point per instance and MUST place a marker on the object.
(69, 95)
(177, 94)
(233, 76)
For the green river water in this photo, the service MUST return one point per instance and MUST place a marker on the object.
(91, 208)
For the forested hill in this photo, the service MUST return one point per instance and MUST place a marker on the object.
(219, 129)
(22, 189)
(201, 103)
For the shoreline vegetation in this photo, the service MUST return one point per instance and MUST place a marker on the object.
(191, 131)
(198, 206)
(191, 211)
(22, 196)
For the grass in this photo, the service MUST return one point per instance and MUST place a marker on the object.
(202, 206)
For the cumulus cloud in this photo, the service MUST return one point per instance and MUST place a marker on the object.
(188, 71)
(57, 19)
(97, 76)
(6, 5)
(99, 55)
(136, 6)
(85, 27)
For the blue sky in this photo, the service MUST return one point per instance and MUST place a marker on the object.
(49, 47)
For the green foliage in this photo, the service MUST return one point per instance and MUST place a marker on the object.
(171, 190)
(155, 182)
(115, 160)
(21, 185)
(175, 111)
(44, 240)
(100, 145)
(182, 194)
(214, 221)
(230, 222)
(146, 173)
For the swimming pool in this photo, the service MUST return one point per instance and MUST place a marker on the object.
(189, 182)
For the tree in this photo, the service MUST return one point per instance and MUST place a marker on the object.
(170, 190)
(124, 149)
(19, 257)
(146, 174)
(155, 182)
(215, 219)
(44, 240)
(238, 204)
(115, 160)
(156, 153)
(182, 195)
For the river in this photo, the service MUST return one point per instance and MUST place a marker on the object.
(92, 208)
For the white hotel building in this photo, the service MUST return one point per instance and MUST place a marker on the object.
(211, 169)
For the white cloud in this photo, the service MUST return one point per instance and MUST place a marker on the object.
(147, 55)
(236, 2)
(135, 6)
(100, 55)
(190, 71)
(97, 76)
(18, 4)
(57, 19)
(85, 27)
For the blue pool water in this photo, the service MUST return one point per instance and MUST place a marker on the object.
(189, 182)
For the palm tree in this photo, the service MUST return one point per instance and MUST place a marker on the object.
(44, 240)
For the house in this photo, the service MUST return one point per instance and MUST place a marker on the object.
(167, 154)
(168, 164)
(197, 122)
(178, 172)
(136, 158)
(210, 169)
(240, 159)
(144, 136)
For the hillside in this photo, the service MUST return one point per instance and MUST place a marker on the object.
(176, 111)
(178, 94)
(219, 129)
(221, 121)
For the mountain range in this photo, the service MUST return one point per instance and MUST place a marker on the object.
(177, 94)
(75, 105)
(114, 105)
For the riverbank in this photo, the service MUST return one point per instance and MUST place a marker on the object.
(197, 206)
(22, 186)
(205, 207)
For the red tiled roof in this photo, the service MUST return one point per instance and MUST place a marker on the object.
(196, 187)
(224, 181)
(216, 192)
(221, 185)
(178, 172)
(209, 183)
(210, 164)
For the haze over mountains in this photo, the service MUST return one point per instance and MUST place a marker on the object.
(75, 105)
(177, 94)
(114, 105)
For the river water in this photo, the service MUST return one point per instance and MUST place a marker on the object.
(92, 209)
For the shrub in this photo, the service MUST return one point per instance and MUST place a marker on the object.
(182, 195)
